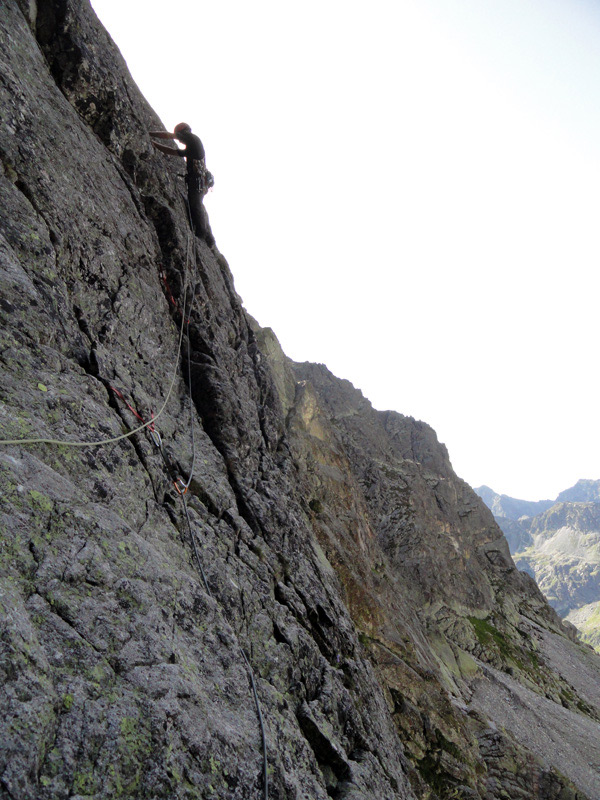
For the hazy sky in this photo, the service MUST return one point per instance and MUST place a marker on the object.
(408, 192)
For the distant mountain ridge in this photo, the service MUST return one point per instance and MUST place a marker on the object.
(501, 505)
(558, 544)
(584, 491)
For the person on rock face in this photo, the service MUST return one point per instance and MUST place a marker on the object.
(198, 178)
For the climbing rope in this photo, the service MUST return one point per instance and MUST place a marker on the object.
(189, 348)
(262, 727)
(131, 408)
(244, 656)
(195, 546)
(193, 538)
(181, 486)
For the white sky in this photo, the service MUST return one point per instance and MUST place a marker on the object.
(408, 192)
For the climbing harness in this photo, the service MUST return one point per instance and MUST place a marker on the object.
(206, 179)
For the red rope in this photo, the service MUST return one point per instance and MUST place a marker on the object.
(170, 297)
(132, 409)
(168, 291)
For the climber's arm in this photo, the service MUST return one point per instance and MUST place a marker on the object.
(170, 151)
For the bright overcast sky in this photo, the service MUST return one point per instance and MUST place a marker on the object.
(408, 192)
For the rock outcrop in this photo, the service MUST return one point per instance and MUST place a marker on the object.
(326, 581)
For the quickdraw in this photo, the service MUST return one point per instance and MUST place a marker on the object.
(180, 485)
(155, 436)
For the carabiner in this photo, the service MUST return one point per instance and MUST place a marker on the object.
(178, 482)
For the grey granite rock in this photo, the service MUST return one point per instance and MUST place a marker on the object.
(328, 547)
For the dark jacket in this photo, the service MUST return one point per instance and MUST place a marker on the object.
(194, 149)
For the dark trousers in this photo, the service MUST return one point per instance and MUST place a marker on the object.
(196, 192)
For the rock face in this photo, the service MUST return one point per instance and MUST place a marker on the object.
(325, 556)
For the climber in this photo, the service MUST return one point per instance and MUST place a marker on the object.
(199, 180)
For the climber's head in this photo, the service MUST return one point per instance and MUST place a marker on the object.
(182, 127)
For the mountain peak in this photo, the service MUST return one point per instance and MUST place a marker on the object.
(502, 505)
(584, 491)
